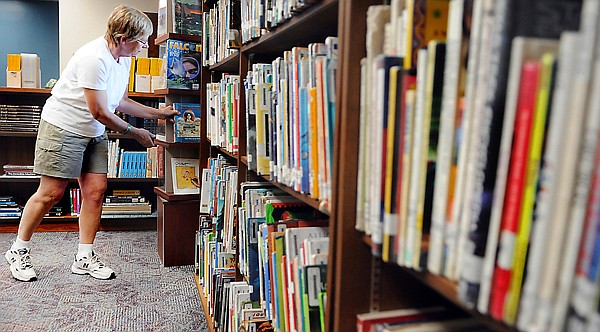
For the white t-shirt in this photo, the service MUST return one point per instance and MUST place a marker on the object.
(92, 67)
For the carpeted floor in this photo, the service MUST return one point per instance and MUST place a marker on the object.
(144, 297)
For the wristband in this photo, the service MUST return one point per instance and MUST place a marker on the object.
(126, 131)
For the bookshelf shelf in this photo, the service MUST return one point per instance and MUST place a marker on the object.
(25, 91)
(172, 197)
(36, 179)
(162, 38)
(177, 92)
(145, 95)
(6, 133)
(177, 144)
(204, 301)
(314, 203)
(230, 64)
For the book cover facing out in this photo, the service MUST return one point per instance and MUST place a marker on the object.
(183, 172)
(187, 123)
(183, 64)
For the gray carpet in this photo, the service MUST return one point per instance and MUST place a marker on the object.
(144, 297)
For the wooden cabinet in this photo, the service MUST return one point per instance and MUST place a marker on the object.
(176, 226)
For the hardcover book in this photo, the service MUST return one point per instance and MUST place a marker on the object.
(187, 123)
(183, 172)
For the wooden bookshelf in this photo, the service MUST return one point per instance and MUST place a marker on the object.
(18, 148)
(25, 91)
(163, 38)
(204, 302)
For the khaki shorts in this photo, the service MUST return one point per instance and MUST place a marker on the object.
(63, 154)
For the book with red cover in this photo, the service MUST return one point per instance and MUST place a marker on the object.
(515, 185)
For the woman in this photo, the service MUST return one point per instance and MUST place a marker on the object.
(72, 141)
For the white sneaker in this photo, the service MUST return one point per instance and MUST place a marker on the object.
(20, 264)
(93, 266)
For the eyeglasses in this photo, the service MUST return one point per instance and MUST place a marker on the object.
(143, 43)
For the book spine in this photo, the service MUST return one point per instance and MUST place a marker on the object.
(515, 185)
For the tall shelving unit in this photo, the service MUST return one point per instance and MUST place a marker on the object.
(358, 282)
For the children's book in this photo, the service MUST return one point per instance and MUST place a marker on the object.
(187, 123)
(183, 172)
(183, 64)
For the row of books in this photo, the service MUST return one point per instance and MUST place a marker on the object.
(147, 74)
(180, 17)
(290, 114)
(494, 160)
(273, 228)
(20, 118)
(257, 16)
(283, 253)
(222, 112)
(221, 37)
(134, 164)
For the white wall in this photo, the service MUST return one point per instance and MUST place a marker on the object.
(80, 21)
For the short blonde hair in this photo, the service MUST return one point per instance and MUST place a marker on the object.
(128, 22)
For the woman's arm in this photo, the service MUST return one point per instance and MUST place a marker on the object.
(132, 107)
(97, 101)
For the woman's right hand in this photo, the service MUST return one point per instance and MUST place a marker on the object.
(143, 136)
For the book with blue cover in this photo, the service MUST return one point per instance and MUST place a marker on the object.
(183, 64)
(187, 123)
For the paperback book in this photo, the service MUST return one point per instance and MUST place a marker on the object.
(183, 64)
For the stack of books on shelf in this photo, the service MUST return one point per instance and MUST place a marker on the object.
(126, 202)
(290, 115)
(20, 118)
(9, 208)
(490, 166)
(18, 170)
(282, 248)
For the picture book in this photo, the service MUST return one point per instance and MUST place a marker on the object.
(183, 64)
(187, 123)
(183, 172)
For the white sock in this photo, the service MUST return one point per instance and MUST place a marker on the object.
(84, 250)
(19, 244)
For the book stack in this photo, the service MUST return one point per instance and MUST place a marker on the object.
(20, 118)
(18, 170)
(9, 208)
(126, 202)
